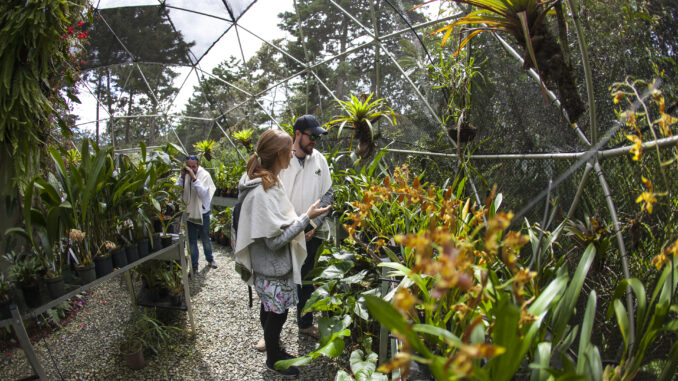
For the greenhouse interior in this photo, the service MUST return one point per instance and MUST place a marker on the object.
(339, 190)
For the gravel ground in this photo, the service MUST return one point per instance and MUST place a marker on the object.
(221, 349)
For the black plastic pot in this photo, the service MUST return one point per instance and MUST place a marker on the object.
(166, 240)
(4, 309)
(132, 253)
(466, 134)
(86, 273)
(55, 287)
(31, 294)
(103, 265)
(157, 243)
(157, 226)
(175, 299)
(119, 257)
(143, 247)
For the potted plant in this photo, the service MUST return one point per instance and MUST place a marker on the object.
(152, 277)
(244, 137)
(173, 282)
(204, 148)
(85, 266)
(23, 269)
(103, 261)
(132, 350)
(166, 221)
(361, 115)
(147, 332)
(454, 77)
(525, 21)
(4, 297)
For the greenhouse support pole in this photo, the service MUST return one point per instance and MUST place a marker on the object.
(303, 44)
(587, 70)
(622, 250)
(397, 65)
(376, 51)
(244, 64)
(580, 190)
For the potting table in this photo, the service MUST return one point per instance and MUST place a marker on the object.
(176, 251)
(224, 201)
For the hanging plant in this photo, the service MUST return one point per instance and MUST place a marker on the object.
(204, 148)
(525, 21)
(244, 136)
(361, 115)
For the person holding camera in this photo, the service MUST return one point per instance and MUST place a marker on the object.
(198, 191)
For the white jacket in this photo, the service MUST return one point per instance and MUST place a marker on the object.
(306, 185)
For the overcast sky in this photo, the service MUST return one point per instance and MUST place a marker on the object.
(261, 18)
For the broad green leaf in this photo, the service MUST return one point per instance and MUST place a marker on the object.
(439, 332)
(336, 271)
(586, 327)
(566, 305)
(298, 361)
(342, 376)
(622, 320)
(391, 318)
(542, 360)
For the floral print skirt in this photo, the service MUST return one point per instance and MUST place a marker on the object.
(276, 294)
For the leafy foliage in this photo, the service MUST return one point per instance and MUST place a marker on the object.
(33, 56)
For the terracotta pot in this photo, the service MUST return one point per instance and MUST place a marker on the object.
(133, 353)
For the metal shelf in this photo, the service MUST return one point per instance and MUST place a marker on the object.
(176, 251)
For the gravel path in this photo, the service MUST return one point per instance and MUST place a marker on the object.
(222, 349)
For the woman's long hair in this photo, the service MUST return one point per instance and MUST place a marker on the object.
(272, 145)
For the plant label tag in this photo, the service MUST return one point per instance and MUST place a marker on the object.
(70, 250)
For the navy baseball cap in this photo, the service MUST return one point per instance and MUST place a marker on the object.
(309, 123)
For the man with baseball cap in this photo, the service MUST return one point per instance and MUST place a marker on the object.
(307, 180)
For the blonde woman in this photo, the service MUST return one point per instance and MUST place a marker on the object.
(270, 241)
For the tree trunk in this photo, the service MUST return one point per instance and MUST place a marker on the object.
(98, 103)
(343, 40)
(111, 121)
(129, 120)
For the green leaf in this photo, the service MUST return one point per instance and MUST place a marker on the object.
(542, 360)
(586, 328)
(623, 321)
(297, 361)
(342, 376)
(566, 305)
(391, 318)
(504, 366)
(432, 330)
(336, 271)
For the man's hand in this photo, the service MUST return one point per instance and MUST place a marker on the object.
(308, 235)
(189, 170)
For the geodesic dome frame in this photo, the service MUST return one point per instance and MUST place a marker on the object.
(230, 16)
